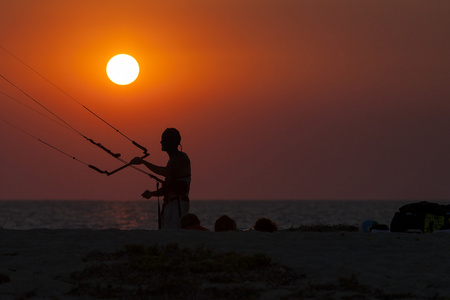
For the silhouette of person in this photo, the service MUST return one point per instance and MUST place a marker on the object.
(191, 221)
(225, 223)
(266, 225)
(177, 173)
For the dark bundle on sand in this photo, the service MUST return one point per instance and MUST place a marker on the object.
(325, 228)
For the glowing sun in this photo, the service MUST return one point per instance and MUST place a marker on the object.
(122, 69)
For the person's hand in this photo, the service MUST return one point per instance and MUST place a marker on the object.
(147, 194)
(136, 161)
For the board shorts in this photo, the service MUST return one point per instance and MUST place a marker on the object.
(171, 213)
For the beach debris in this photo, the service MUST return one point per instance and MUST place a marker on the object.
(421, 217)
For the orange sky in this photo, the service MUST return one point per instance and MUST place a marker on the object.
(274, 99)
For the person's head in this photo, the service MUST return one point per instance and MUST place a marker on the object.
(265, 224)
(170, 139)
(189, 220)
(225, 223)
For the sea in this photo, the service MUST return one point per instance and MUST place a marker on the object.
(142, 214)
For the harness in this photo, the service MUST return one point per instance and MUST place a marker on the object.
(179, 188)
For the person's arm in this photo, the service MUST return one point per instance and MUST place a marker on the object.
(148, 194)
(154, 168)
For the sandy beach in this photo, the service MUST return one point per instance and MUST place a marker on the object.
(35, 264)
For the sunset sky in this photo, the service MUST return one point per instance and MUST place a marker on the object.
(287, 99)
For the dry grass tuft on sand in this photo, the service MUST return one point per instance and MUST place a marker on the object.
(171, 272)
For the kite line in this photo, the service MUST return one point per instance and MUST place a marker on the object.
(65, 124)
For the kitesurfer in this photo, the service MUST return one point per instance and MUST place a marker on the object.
(177, 173)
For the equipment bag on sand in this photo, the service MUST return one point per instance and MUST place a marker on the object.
(422, 216)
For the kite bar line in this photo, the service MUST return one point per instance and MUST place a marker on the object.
(65, 124)
(80, 161)
(125, 166)
(34, 110)
(73, 99)
(44, 142)
(116, 155)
